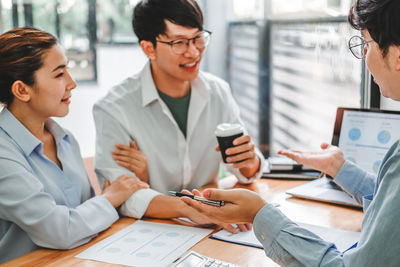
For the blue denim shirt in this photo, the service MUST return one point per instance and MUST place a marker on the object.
(42, 205)
(290, 245)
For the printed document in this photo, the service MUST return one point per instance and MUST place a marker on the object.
(145, 244)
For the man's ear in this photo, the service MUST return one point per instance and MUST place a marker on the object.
(149, 49)
(21, 91)
(397, 50)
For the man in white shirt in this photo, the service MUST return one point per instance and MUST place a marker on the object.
(171, 109)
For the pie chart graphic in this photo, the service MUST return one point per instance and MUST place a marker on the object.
(354, 134)
(384, 137)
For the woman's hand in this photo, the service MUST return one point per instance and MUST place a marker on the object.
(121, 189)
(133, 159)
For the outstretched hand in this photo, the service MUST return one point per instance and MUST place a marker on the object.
(328, 160)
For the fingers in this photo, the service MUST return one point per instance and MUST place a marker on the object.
(127, 159)
(242, 156)
(230, 228)
(249, 226)
(133, 145)
(140, 185)
(241, 140)
(242, 227)
(196, 192)
(219, 194)
(106, 184)
(130, 152)
(290, 153)
(185, 191)
(248, 146)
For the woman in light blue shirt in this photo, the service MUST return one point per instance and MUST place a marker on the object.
(46, 199)
(283, 240)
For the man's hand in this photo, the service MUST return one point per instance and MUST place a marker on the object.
(241, 205)
(133, 159)
(329, 160)
(243, 156)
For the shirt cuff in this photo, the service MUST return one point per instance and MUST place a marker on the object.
(267, 224)
(243, 179)
(137, 204)
(345, 177)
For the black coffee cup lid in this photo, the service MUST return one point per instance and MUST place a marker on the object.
(228, 129)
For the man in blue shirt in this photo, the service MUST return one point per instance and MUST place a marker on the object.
(283, 240)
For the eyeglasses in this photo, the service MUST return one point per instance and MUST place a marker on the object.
(356, 46)
(180, 46)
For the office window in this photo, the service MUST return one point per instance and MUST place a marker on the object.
(114, 21)
(313, 73)
(243, 73)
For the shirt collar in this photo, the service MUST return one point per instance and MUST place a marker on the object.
(22, 136)
(57, 131)
(149, 90)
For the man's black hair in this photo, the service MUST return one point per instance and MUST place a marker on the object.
(149, 15)
(381, 18)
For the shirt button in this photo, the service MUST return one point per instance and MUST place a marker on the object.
(262, 237)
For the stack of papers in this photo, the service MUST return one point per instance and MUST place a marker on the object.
(341, 238)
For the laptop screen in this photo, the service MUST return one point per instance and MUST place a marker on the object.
(365, 136)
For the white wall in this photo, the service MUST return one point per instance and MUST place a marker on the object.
(115, 63)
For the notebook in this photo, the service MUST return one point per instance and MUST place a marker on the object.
(280, 167)
(364, 136)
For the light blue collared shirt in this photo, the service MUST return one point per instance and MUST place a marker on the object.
(290, 245)
(42, 205)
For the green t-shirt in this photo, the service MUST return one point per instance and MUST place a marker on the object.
(179, 108)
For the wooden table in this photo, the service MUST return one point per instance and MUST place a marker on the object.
(299, 210)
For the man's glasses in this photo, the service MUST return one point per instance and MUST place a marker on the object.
(356, 46)
(180, 46)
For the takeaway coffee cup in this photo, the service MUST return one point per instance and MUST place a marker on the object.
(226, 133)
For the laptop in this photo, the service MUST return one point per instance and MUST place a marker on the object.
(364, 136)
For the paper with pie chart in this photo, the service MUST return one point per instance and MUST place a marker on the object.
(145, 244)
(365, 137)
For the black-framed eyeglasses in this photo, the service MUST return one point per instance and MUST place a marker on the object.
(356, 46)
(180, 46)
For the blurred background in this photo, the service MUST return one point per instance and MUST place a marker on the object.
(287, 61)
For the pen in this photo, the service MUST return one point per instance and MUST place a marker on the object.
(217, 203)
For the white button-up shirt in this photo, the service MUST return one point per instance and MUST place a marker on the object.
(133, 110)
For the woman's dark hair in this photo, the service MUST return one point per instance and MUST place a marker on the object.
(21, 55)
(381, 18)
(149, 15)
